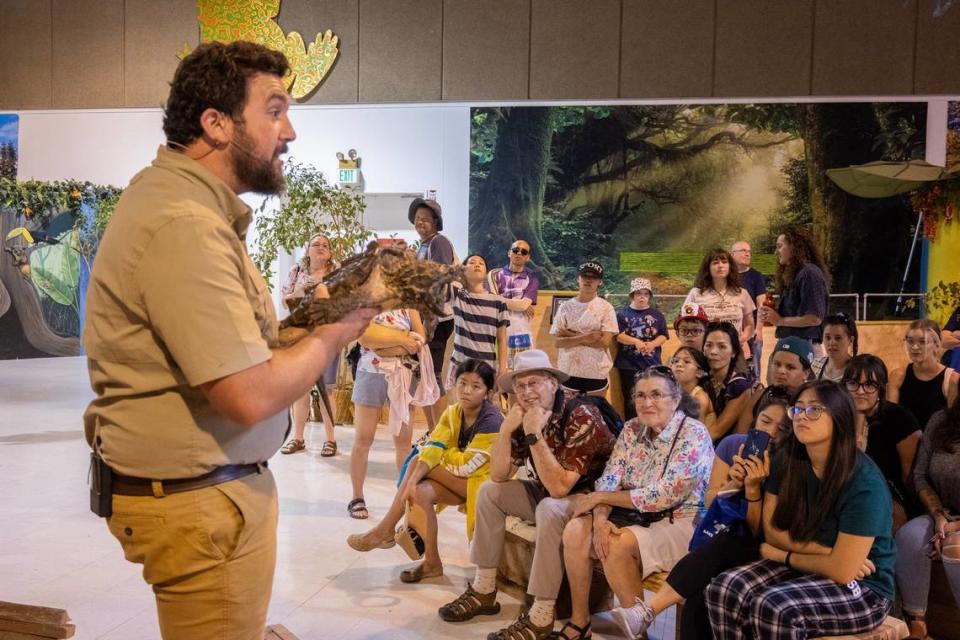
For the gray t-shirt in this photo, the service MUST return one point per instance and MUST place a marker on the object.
(938, 470)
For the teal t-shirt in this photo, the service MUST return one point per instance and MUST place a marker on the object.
(863, 509)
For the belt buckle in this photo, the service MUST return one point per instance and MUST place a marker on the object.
(157, 487)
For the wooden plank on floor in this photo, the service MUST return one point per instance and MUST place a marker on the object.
(38, 629)
(31, 613)
(279, 632)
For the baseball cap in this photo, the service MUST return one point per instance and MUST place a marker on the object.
(591, 269)
(691, 311)
(797, 345)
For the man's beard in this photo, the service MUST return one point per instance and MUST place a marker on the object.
(258, 175)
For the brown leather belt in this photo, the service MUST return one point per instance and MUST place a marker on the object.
(129, 486)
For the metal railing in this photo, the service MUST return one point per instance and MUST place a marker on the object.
(854, 303)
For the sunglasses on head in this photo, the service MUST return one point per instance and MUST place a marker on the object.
(520, 250)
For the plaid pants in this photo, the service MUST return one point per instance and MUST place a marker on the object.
(767, 601)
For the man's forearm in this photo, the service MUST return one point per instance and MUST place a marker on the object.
(254, 394)
(797, 322)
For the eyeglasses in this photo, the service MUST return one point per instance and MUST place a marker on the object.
(520, 250)
(689, 333)
(530, 385)
(867, 387)
(812, 411)
(740, 251)
(910, 342)
(653, 396)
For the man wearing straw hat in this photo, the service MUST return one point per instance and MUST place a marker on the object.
(563, 441)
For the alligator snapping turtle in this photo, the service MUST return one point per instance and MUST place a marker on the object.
(381, 277)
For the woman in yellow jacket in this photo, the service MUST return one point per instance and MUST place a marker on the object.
(450, 467)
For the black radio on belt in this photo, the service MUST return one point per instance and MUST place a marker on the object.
(101, 486)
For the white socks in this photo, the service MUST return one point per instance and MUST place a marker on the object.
(485, 581)
(541, 613)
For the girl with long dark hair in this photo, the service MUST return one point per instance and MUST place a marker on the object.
(828, 555)
(717, 289)
(840, 338)
(692, 371)
(886, 431)
(730, 378)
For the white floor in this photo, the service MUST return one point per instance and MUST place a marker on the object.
(54, 552)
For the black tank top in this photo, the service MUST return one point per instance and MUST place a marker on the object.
(923, 399)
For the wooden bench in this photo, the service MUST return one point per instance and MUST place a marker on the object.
(513, 574)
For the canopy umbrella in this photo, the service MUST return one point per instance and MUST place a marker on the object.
(884, 178)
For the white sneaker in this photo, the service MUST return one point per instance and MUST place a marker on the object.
(633, 621)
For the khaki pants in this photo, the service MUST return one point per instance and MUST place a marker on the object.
(209, 555)
(526, 500)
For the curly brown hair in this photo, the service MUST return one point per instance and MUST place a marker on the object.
(214, 76)
(704, 280)
(803, 251)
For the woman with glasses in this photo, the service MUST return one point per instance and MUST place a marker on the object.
(315, 265)
(691, 369)
(449, 469)
(519, 287)
(937, 533)
(828, 554)
(640, 518)
(717, 289)
(839, 339)
(924, 386)
(730, 378)
(886, 431)
(743, 476)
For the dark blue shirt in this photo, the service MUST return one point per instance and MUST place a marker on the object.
(755, 283)
(806, 295)
(644, 325)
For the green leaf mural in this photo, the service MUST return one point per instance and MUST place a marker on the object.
(55, 269)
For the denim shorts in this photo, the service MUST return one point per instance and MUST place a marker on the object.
(370, 389)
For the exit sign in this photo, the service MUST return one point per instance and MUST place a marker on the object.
(348, 176)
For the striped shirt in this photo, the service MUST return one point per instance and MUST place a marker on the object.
(476, 318)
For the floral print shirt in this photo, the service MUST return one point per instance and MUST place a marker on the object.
(639, 463)
(582, 443)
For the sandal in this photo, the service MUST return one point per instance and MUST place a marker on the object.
(293, 446)
(357, 508)
(358, 542)
(583, 633)
(418, 573)
(916, 618)
(469, 604)
(523, 629)
(329, 449)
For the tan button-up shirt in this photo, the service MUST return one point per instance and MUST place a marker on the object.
(174, 302)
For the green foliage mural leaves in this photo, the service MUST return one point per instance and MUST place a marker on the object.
(55, 269)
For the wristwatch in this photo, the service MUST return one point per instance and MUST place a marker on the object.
(530, 439)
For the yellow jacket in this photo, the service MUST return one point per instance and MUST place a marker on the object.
(472, 462)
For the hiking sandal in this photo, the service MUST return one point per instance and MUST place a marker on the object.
(293, 446)
(357, 508)
(470, 604)
(523, 629)
(329, 449)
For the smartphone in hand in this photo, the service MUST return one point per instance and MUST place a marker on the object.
(756, 444)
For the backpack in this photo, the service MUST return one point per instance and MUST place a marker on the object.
(610, 416)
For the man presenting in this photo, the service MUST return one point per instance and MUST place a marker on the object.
(191, 389)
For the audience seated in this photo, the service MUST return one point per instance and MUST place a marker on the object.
(730, 378)
(738, 479)
(692, 371)
(640, 518)
(886, 431)
(449, 469)
(924, 386)
(840, 337)
(788, 369)
(828, 555)
(563, 441)
(643, 330)
(935, 535)
(584, 328)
